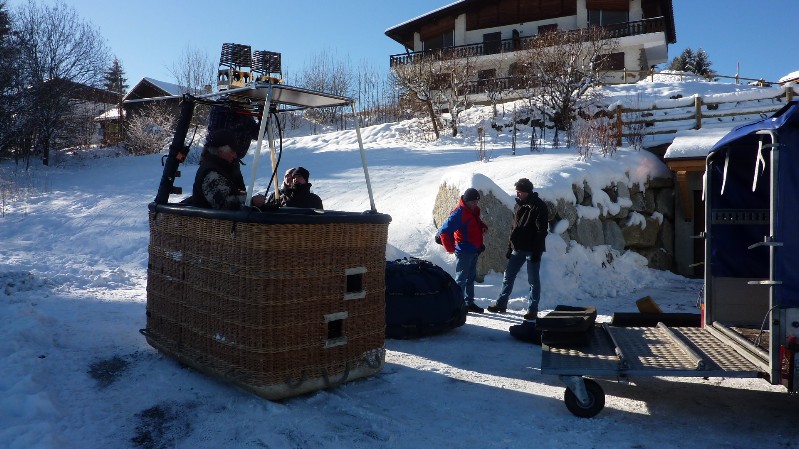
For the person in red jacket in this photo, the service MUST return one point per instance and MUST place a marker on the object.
(462, 234)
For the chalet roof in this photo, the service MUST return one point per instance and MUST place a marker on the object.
(150, 87)
(403, 33)
(84, 92)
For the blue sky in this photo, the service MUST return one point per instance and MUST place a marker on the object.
(149, 37)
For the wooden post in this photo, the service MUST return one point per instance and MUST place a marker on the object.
(788, 93)
(698, 112)
(619, 125)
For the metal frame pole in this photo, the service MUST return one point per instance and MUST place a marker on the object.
(363, 159)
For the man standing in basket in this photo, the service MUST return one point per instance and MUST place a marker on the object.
(526, 244)
(462, 233)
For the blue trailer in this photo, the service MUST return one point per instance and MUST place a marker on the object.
(750, 324)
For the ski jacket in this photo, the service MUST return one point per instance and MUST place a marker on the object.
(463, 230)
(297, 196)
(218, 184)
(529, 230)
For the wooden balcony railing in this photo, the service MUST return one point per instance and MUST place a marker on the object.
(639, 27)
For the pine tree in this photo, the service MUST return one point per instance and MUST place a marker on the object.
(114, 78)
(683, 62)
(702, 64)
(694, 62)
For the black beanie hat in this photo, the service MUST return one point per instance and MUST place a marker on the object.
(301, 171)
(524, 185)
(227, 127)
(471, 194)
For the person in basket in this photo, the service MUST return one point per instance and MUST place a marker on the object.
(219, 183)
(296, 191)
(526, 244)
(462, 234)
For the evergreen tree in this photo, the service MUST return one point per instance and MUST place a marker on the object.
(702, 64)
(693, 62)
(114, 78)
(683, 62)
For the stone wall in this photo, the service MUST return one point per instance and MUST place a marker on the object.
(618, 224)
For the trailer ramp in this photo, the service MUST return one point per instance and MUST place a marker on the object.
(645, 351)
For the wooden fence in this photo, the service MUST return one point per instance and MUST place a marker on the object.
(668, 116)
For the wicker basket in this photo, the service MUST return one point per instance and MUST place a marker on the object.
(278, 303)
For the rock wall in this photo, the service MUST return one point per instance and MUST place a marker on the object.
(634, 219)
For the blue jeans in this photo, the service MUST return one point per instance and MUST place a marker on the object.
(517, 259)
(465, 272)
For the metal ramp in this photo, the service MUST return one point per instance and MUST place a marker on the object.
(645, 351)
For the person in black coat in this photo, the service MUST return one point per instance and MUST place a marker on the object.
(525, 245)
(219, 183)
(298, 192)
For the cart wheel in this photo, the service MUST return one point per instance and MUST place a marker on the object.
(596, 400)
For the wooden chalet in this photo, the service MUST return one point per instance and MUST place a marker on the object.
(482, 28)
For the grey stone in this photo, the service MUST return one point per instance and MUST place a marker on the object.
(588, 232)
(637, 198)
(612, 192)
(660, 183)
(657, 258)
(613, 235)
(649, 201)
(566, 211)
(579, 193)
(635, 237)
(664, 202)
(587, 195)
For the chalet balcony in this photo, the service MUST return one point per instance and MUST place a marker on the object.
(639, 27)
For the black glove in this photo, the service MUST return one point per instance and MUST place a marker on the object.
(507, 254)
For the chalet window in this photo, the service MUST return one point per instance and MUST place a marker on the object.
(613, 61)
(547, 28)
(492, 43)
(444, 40)
(604, 17)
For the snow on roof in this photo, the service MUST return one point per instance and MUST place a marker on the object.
(693, 143)
(789, 77)
(423, 15)
(111, 114)
(172, 89)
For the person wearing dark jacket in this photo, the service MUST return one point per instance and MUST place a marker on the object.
(462, 233)
(526, 244)
(297, 193)
(219, 183)
(288, 179)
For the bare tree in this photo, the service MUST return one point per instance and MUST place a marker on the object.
(561, 68)
(194, 71)
(10, 86)
(327, 75)
(456, 72)
(59, 53)
(420, 79)
(151, 130)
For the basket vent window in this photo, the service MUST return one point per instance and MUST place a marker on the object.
(354, 283)
(335, 329)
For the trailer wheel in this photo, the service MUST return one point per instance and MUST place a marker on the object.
(596, 400)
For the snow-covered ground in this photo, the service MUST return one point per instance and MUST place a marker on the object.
(76, 373)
